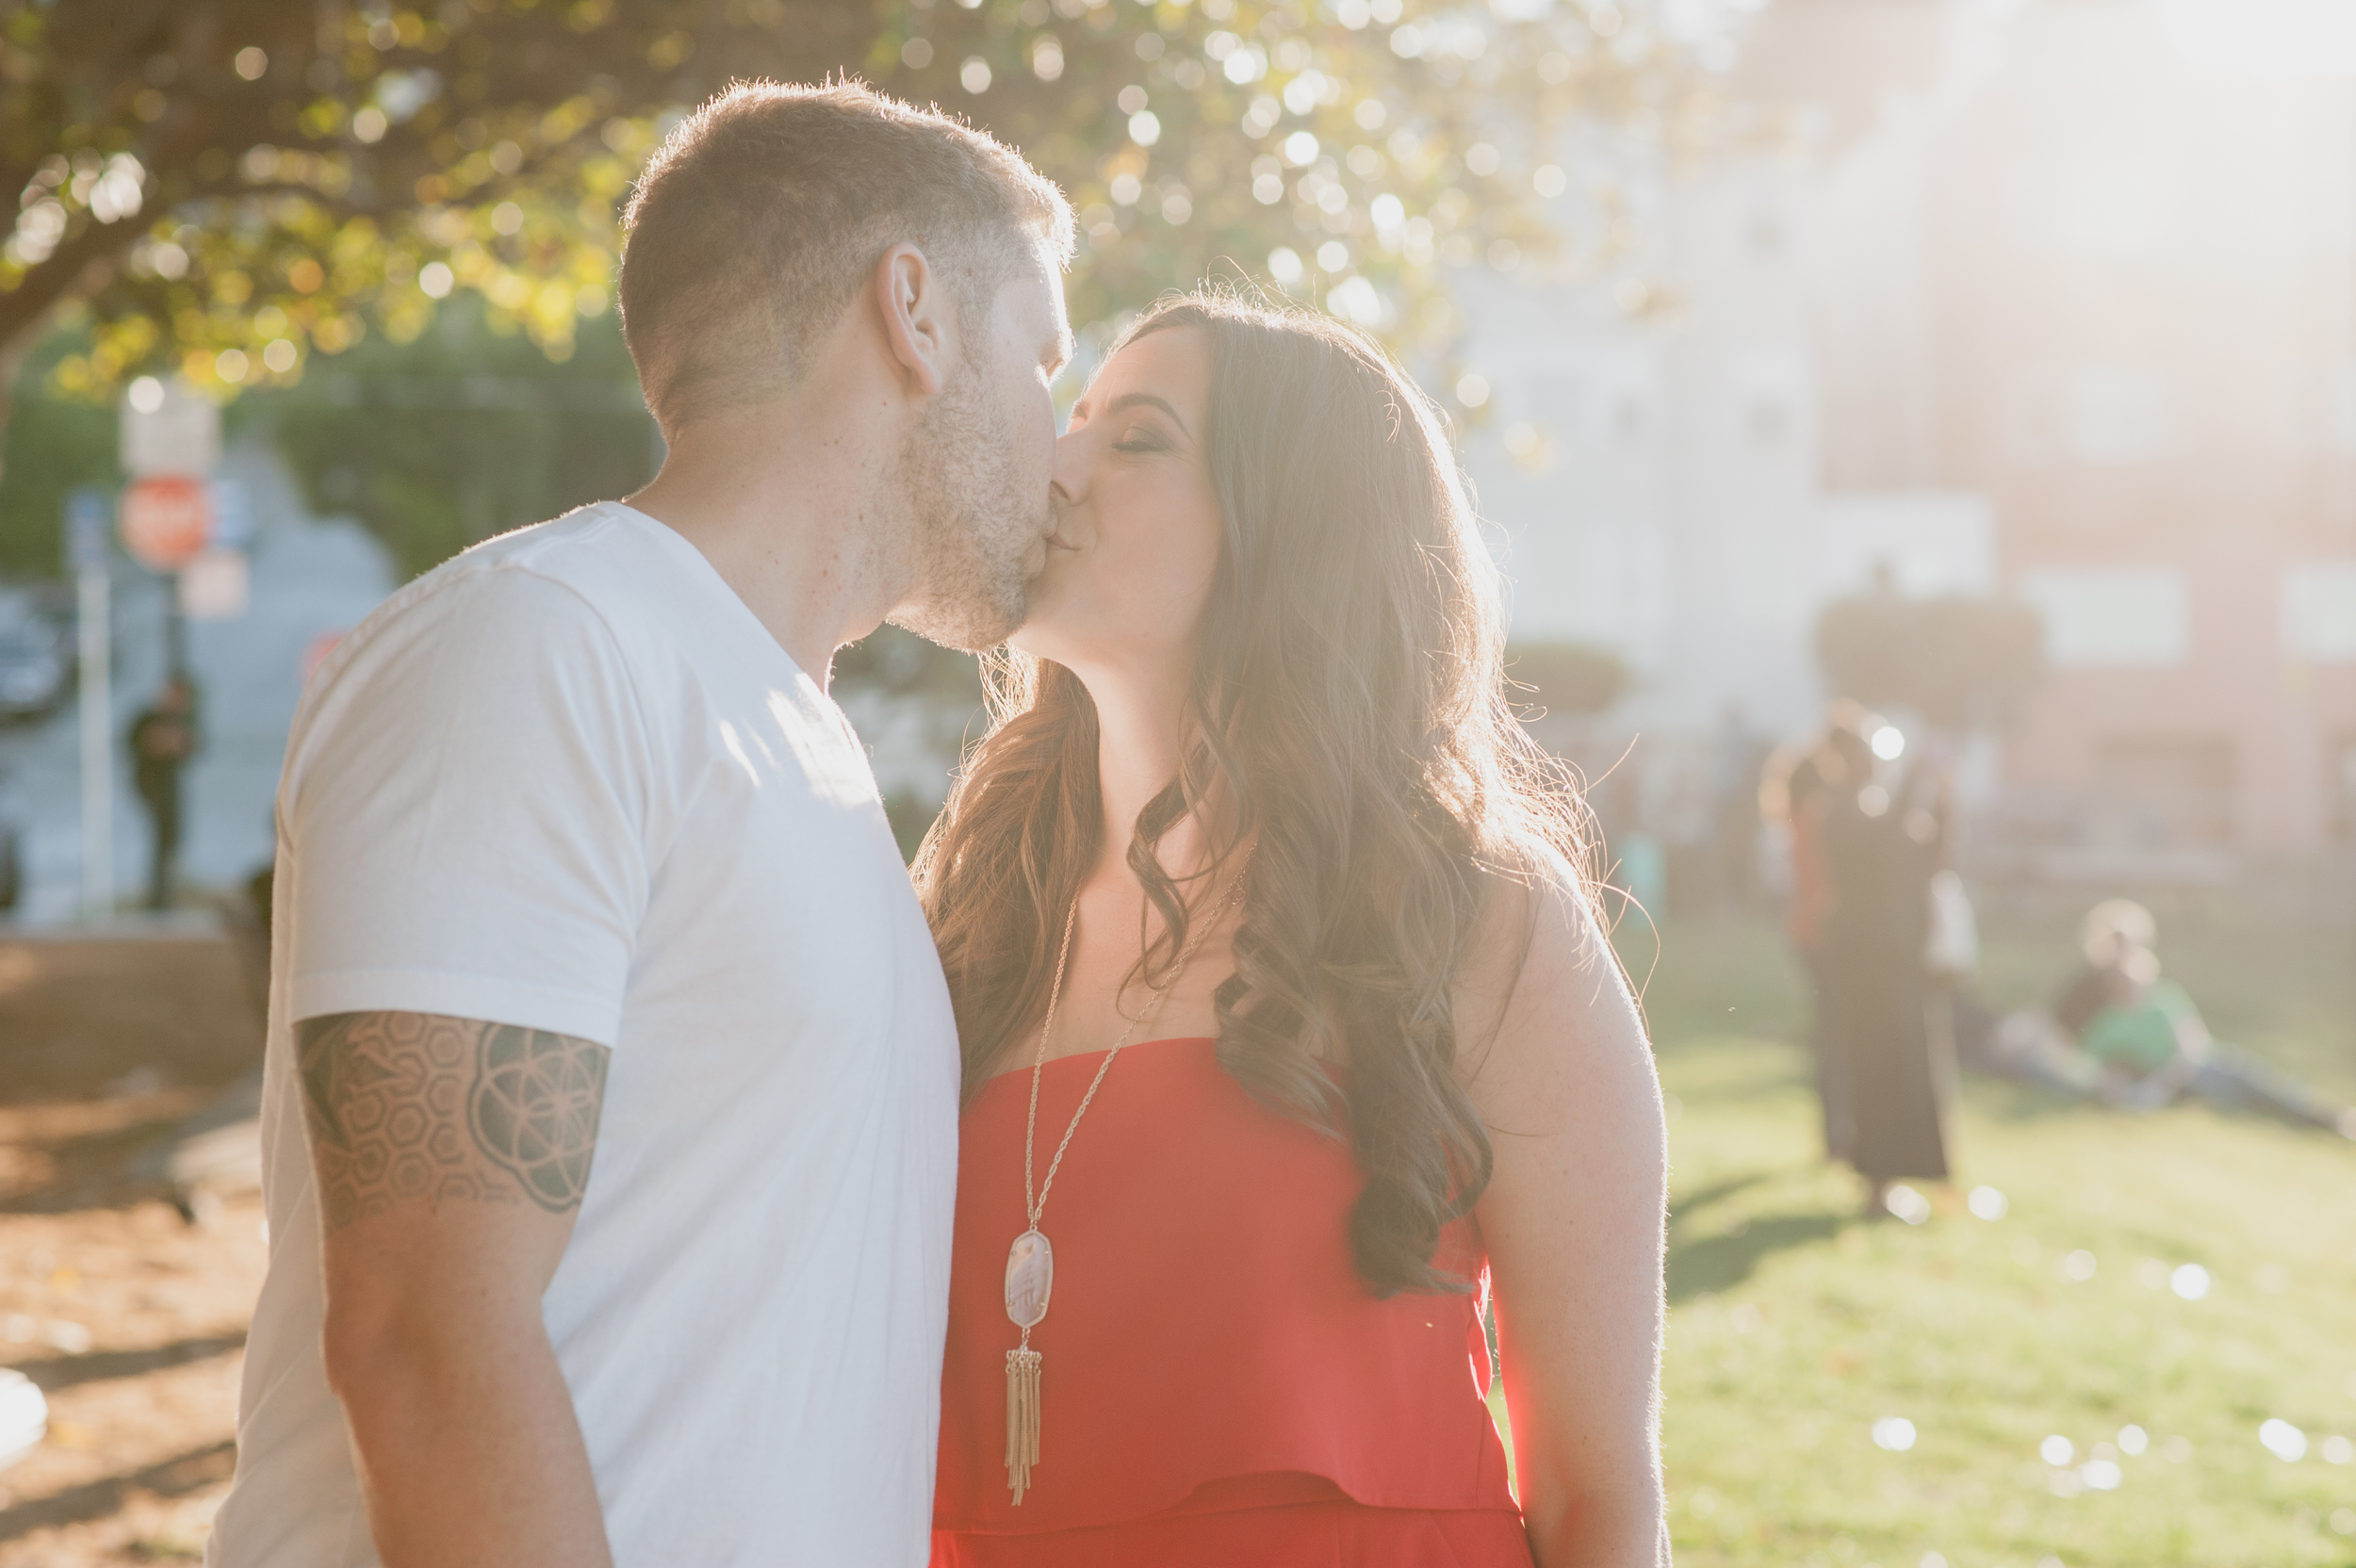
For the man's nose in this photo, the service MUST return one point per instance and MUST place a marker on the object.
(1070, 480)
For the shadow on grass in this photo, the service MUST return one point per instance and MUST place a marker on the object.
(95, 1169)
(1701, 1198)
(1720, 1262)
(2008, 1100)
(106, 1366)
(173, 1477)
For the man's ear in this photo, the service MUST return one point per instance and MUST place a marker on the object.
(917, 318)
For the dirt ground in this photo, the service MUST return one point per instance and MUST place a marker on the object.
(130, 1316)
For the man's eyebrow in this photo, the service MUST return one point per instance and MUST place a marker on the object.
(1131, 399)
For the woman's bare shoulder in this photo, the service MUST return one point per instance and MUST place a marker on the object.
(1540, 990)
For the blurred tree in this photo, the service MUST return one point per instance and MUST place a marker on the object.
(52, 445)
(1566, 679)
(1960, 662)
(934, 688)
(438, 443)
(228, 187)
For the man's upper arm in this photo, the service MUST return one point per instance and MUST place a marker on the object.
(465, 816)
(412, 1113)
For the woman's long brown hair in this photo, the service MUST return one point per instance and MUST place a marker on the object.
(1350, 708)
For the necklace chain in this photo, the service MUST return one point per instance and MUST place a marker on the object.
(1034, 1207)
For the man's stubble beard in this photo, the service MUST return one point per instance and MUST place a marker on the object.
(974, 526)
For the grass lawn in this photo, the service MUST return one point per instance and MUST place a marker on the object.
(1795, 1327)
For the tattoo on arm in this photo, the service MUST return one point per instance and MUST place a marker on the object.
(413, 1105)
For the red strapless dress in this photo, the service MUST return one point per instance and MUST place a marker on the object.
(1219, 1386)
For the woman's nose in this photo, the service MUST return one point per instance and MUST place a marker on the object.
(1069, 482)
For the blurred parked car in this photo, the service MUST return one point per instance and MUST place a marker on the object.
(36, 658)
(12, 835)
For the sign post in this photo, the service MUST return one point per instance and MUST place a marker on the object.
(171, 445)
(86, 520)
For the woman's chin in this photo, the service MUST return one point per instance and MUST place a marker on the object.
(1035, 636)
(1046, 618)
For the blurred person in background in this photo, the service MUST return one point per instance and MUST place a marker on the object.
(1635, 871)
(610, 1126)
(1881, 850)
(163, 738)
(1286, 1016)
(1795, 789)
(2148, 1039)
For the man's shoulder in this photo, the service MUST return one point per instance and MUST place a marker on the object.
(550, 603)
(597, 554)
(585, 570)
(578, 541)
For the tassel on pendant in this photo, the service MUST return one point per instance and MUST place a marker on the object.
(1021, 1417)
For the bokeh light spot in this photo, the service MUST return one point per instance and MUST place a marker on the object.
(2282, 1440)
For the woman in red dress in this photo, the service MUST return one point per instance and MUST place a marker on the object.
(1289, 1028)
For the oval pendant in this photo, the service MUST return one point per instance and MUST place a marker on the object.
(1030, 1278)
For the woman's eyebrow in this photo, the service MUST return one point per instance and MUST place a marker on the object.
(1131, 399)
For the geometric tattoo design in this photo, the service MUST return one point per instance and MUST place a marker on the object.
(415, 1106)
(534, 1109)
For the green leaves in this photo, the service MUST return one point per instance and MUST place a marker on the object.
(232, 187)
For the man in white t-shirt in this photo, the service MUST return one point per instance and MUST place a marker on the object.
(610, 1126)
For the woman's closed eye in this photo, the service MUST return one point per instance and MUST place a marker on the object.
(1141, 438)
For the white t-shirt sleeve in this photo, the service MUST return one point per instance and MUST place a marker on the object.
(465, 814)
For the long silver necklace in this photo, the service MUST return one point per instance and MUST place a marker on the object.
(1031, 1261)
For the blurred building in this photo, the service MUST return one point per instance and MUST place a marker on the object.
(2062, 302)
(2117, 277)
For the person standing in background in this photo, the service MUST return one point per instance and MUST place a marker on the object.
(1880, 851)
(163, 738)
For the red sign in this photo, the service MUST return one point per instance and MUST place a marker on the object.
(165, 520)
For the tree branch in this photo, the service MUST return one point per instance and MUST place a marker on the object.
(76, 268)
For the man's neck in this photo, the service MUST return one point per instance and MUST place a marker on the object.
(793, 508)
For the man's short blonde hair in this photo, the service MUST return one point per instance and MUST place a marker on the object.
(759, 216)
